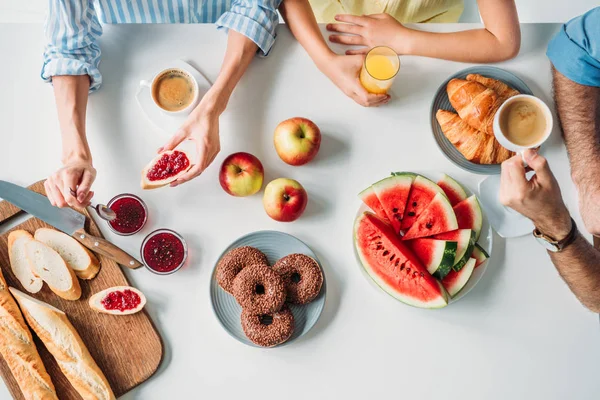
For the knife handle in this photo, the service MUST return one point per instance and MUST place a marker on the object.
(105, 248)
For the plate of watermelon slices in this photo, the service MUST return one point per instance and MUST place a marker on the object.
(422, 238)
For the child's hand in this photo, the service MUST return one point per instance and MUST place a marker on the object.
(370, 31)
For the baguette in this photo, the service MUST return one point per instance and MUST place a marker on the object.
(49, 265)
(82, 261)
(19, 351)
(19, 263)
(64, 343)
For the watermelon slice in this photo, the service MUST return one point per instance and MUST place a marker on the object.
(422, 192)
(437, 255)
(392, 193)
(393, 266)
(454, 282)
(480, 255)
(453, 190)
(469, 215)
(438, 217)
(369, 197)
(465, 239)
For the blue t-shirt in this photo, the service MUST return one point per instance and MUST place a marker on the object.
(575, 50)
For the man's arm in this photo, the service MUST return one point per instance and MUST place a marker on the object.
(71, 58)
(540, 200)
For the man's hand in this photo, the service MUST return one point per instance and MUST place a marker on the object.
(74, 177)
(343, 71)
(203, 128)
(370, 31)
(539, 199)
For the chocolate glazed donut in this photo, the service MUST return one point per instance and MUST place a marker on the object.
(259, 290)
(302, 276)
(234, 261)
(268, 330)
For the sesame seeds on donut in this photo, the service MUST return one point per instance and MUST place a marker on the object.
(234, 261)
(259, 289)
(302, 277)
(268, 330)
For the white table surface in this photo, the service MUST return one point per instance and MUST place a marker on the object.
(520, 334)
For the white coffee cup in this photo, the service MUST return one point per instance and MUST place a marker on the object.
(150, 85)
(505, 142)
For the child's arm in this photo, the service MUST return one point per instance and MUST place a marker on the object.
(499, 40)
(341, 70)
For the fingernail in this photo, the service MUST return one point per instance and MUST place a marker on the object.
(81, 197)
(337, 17)
(328, 26)
(160, 149)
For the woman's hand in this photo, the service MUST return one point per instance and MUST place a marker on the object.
(343, 71)
(203, 128)
(74, 177)
(370, 31)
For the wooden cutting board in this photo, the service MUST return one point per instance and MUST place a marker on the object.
(127, 348)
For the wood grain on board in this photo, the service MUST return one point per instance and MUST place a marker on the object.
(127, 348)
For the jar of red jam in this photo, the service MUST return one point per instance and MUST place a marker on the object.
(164, 251)
(132, 214)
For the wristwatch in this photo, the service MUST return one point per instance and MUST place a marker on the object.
(552, 244)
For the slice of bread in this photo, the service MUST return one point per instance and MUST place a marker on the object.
(49, 265)
(95, 301)
(19, 263)
(82, 261)
(148, 184)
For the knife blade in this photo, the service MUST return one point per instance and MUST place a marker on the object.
(64, 219)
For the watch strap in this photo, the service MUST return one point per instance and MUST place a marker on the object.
(560, 244)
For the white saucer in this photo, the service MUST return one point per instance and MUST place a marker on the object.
(507, 222)
(164, 122)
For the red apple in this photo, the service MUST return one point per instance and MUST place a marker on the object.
(297, 140)
(241, 174)
(285, 200)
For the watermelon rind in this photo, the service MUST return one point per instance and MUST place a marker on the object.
(443, 221)
(369, 197)
(439, 302)
(455, 281)
(472, 206)
(466, 243)
(479, 254)
(399, 186)
(424, 183)
(437, 255)
(453, 190)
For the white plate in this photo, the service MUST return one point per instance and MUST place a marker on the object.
(508, 223)
(485, 241)
(161, 120)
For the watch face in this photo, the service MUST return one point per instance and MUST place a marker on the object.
(547, 245)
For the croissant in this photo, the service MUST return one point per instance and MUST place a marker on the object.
(502, 89)
(475, 103)
(474, 145)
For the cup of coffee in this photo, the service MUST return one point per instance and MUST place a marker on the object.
(173, 90)
(522, 122)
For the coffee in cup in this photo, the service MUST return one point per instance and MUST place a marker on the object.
(522, 122)
(173, 90)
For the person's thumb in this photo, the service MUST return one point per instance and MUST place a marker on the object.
(539, 164)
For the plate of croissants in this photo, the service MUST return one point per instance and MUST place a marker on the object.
(462, 117)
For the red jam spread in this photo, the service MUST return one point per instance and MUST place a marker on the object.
(168, 165)
(164, 252)
(131, 215)
(121, 300)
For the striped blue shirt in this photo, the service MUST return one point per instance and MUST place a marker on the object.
(73, 26)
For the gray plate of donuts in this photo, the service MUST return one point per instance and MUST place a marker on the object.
(275, 246)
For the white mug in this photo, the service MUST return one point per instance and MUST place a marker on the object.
(519, 149)
(150, 85)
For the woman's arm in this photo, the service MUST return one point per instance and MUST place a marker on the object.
(498, 40)
(341, 70)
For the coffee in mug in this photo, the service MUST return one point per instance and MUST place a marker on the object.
(523, 122)
(173, 90)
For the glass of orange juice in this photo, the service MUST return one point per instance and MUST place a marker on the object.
(379, 69)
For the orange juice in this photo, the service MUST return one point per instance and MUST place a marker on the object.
(380, 67)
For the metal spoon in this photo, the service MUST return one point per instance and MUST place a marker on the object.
(103, 212)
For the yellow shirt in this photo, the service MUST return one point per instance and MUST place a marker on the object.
(405, 11)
